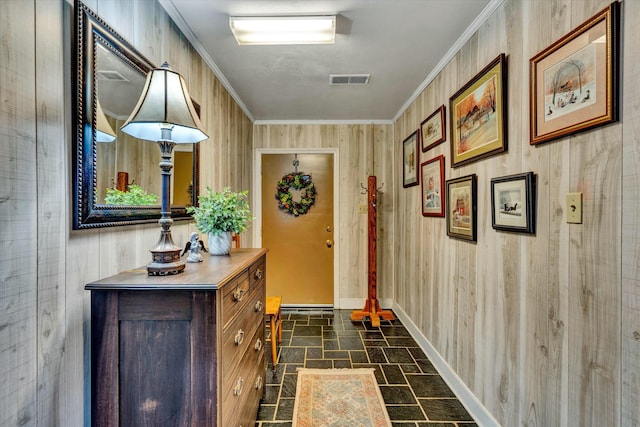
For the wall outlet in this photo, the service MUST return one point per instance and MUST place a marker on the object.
(362, 209)
(574, 208)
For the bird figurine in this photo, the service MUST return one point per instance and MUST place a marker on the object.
(194, 246)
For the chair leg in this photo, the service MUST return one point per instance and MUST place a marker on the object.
(274, 351)
(279, 327)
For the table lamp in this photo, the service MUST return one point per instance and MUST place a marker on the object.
(165, 114)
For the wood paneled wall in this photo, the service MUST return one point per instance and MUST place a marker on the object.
(532, 323)
(363, 150)
(44, 313)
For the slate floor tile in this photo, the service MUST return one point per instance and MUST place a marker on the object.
(398, 355)
(445, 410)
(429, 386)
(405, 413)
(397, 395)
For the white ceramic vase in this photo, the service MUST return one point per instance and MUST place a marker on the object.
(220, 244)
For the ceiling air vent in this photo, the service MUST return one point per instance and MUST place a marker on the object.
(349, 79)
(111, 75)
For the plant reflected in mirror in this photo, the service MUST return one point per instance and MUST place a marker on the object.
(134, 196)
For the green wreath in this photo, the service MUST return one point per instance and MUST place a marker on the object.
(297, 181)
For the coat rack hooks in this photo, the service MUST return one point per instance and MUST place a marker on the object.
(366, 190)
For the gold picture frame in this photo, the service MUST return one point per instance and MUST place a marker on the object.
(479, 115)
(462, 208)
(432, 130)
(573, 84)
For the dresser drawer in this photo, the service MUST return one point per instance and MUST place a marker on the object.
(243, 390)
(234, 297)
(248, 415)
(245, 333)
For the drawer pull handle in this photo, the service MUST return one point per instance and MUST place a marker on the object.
(258, 307)
(238, 294)
(258, 345)
(239, 337)
(258, 274)
(238, 388)
(258, 384)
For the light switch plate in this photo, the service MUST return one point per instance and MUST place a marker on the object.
(362, 209)
(574, 208)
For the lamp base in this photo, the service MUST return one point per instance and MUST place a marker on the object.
(165, 257)
(166, 266)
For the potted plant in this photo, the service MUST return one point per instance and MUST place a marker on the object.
(220, 213)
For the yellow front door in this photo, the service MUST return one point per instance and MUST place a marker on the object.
(300, 257)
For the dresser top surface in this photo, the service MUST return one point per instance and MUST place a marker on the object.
(210, 274)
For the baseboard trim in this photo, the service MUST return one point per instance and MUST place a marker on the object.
(475, 408)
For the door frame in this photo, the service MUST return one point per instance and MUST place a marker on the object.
(257, 203)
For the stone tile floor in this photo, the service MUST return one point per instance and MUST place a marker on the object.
(414, 393)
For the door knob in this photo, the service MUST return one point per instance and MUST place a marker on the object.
(329, 243)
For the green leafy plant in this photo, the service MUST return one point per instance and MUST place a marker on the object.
(135, 196)
(219, 212)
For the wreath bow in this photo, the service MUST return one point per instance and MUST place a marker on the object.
(301, 182)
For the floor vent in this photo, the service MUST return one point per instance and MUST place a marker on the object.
(349, 79)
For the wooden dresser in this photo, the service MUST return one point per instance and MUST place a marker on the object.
(182, 350)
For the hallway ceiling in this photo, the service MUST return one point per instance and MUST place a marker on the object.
(401, 43)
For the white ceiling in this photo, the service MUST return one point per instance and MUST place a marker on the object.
(401, 43)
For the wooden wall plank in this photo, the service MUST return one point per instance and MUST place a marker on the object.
(594, 293)
(630, 223)
(18, 216)
(544, 397)
(51, 200)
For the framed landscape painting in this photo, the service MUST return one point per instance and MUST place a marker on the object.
(432, 129)
(574, 82)
(462, 208)
(513, 203)
(432, 179)
(479, 115)
(410, 160)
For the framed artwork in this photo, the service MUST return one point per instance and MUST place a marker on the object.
(432, 129)
(410, 160)
(513, 203)
(432, 183)
(479, 115)
(573, 84)
(462, 208)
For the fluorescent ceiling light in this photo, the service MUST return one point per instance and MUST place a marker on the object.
(284, 29)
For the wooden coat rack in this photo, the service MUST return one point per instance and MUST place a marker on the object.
(372, 307)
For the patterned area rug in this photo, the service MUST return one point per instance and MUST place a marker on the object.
(339, 398)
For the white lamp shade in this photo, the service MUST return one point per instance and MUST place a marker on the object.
(104, 131)
(165, 101)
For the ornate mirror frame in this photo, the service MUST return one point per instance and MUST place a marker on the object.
(87, 212)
